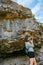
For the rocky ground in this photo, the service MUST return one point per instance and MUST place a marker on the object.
(19, 58)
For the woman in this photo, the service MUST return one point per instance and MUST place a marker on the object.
(30, 49)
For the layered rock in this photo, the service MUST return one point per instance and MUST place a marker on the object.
(12, 10)
(15, 21)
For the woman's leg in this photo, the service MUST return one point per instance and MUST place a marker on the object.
(34, 61)
(31, 61)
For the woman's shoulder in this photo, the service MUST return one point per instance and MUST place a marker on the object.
(27, 42)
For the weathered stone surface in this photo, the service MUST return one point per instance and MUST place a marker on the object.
(15, 21)
(11, 10)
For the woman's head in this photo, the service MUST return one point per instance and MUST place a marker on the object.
(28, 39)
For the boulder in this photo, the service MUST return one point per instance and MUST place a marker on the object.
(16, 22)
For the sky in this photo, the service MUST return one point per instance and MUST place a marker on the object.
(36, 7)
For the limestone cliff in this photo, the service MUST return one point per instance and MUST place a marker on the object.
(15, 22)
(11, 10)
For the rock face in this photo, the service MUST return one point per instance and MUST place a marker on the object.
(5, 1)
(15, 20)
(11, 10)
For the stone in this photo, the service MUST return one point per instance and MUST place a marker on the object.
(16, 22)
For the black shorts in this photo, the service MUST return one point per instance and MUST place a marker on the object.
(31, 54)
